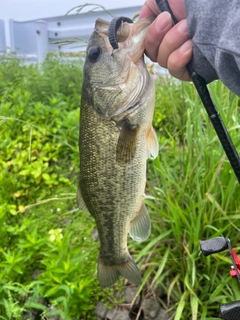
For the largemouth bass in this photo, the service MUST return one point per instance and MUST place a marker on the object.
(116, 138)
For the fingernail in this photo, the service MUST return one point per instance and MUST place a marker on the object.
(163, 21)
(182, 26)
(186, 48)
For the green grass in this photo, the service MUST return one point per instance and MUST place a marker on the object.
(41, 229)
(192, 194)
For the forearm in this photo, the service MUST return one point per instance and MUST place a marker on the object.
(213, 25)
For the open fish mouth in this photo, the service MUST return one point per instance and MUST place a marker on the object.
(122, 34)
(113, 28)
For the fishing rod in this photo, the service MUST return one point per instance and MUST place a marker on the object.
(209, 105)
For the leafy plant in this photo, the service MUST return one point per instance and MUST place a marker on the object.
(47, 253)
(39, 113)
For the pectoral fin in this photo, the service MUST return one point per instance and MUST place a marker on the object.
(140, 226)
(152, 143)
(80, 202)
(127, 143)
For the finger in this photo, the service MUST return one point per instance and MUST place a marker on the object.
(156, 32)
(178, 60)
(149, 9)
(173, 39)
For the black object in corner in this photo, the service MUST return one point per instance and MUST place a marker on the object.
(230, 311)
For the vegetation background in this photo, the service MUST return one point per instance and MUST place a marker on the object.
(47, 253)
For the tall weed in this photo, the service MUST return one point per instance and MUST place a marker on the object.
(194, 195)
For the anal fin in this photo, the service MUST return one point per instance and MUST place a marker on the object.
(80, 202)
(140, 226)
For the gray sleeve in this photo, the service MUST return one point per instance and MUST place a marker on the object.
(214, 27)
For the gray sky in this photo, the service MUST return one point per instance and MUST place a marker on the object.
(24, 10)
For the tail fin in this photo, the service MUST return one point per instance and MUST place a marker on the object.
(109, 274)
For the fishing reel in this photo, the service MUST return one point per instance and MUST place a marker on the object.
(229, 311)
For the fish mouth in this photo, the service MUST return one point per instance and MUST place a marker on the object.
(130, 36)
(113, 28)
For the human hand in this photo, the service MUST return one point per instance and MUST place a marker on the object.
(168, 45)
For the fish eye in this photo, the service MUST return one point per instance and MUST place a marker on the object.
(94, 53)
